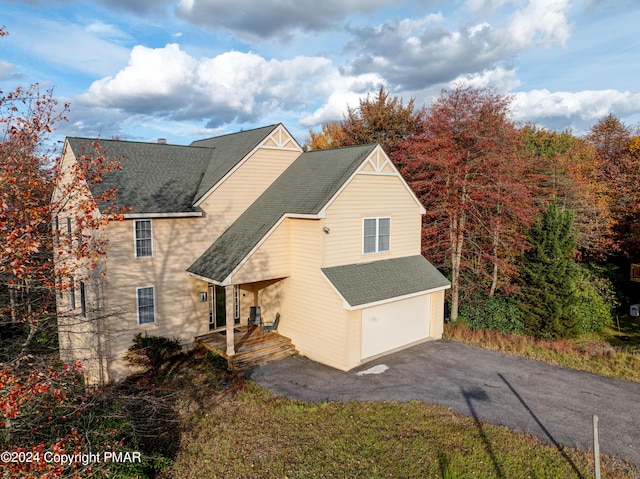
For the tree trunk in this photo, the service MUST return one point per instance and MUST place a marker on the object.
(494, 274)
(457, 237)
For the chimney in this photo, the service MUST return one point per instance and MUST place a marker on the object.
(162, 141)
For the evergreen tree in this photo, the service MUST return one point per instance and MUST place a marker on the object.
(549, 276)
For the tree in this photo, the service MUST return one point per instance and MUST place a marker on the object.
(549, 275)
(467, 170)
(380, 119)
(569, 172)
(619, 167)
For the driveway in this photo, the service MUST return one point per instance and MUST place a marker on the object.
(554, 403)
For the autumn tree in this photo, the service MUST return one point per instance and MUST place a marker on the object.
(467, 170)
(568, 171)
(619, 166)
(379, 119)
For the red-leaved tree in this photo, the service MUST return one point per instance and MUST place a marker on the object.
(468, 171)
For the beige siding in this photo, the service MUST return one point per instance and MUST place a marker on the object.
(369, 196)
(437, 314)
(270, 260)
(236, 193)
(313, 315)
(179, 313)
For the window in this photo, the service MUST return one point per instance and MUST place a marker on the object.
(56, 230)
(236, 304)
(143, 238)
(376, 233)
(72, 292)
(635, 272)
(145, 298)
(83, 298)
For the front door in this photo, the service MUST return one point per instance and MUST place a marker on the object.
(217, 307)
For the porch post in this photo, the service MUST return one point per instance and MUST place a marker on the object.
(228, 291)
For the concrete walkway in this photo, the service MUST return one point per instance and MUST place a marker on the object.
(554, 403)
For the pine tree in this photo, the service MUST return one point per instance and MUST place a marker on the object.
(549, 275)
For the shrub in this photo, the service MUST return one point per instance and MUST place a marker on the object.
(595, 303)
(151, 351)
(492, 312)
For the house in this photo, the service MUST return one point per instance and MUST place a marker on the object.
(328, 240)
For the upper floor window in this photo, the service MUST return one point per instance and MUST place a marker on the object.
(376, 233)
(143, 238)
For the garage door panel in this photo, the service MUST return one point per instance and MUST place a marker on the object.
(393, 325)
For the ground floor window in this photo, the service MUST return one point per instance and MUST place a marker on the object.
(146, 302)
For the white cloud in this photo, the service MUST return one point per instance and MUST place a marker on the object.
(502, 79)
(541, 22)
(577, 108)
(418, 53)
(233, 87)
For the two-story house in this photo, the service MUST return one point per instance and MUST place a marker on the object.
(327, 240)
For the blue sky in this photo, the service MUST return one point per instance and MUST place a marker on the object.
(189, 69)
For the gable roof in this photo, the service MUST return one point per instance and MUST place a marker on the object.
(304, 188)
(162, 178)
(366, 283)
(226, 151)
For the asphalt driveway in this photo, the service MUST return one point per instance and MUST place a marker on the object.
(554, 403)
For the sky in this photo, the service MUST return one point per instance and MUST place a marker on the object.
(190, 69)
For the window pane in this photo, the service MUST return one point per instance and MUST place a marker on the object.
(369, 236)
(146, 307)
(384, 230)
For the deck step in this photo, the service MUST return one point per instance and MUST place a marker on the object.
(275, 349)
(252, 347)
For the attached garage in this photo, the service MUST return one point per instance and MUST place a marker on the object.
(395, 300)
(396, 324)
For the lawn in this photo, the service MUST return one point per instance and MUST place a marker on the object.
(232, 428)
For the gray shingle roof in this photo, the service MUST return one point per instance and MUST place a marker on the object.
(161, 178)
(303, 188)
(366, 283)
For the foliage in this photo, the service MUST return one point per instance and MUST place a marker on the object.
(596, 302)
(151, 351)
(567, 169)
(549, 276)
(380, 119)
(468, 172)
(45, 409)
(586, 353)
(332, 135)
(498, 313)
(619, 166)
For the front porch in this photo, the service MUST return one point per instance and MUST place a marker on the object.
(251, 346)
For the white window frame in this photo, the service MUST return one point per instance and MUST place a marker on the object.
(153, 296)
(136, 239)
(236, 303)
(377, 234)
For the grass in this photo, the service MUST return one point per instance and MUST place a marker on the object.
(232, 428)
(601, 353)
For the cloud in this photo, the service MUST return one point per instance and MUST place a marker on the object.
(580, 109)
(418, 53)
(273, 18)
(232, 87)
(502, 79)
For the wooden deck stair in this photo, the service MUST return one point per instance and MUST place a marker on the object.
(253, 348)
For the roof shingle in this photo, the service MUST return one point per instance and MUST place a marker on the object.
(366, 283)
(303, 189)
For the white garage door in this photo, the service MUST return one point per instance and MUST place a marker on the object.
(393, 325)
